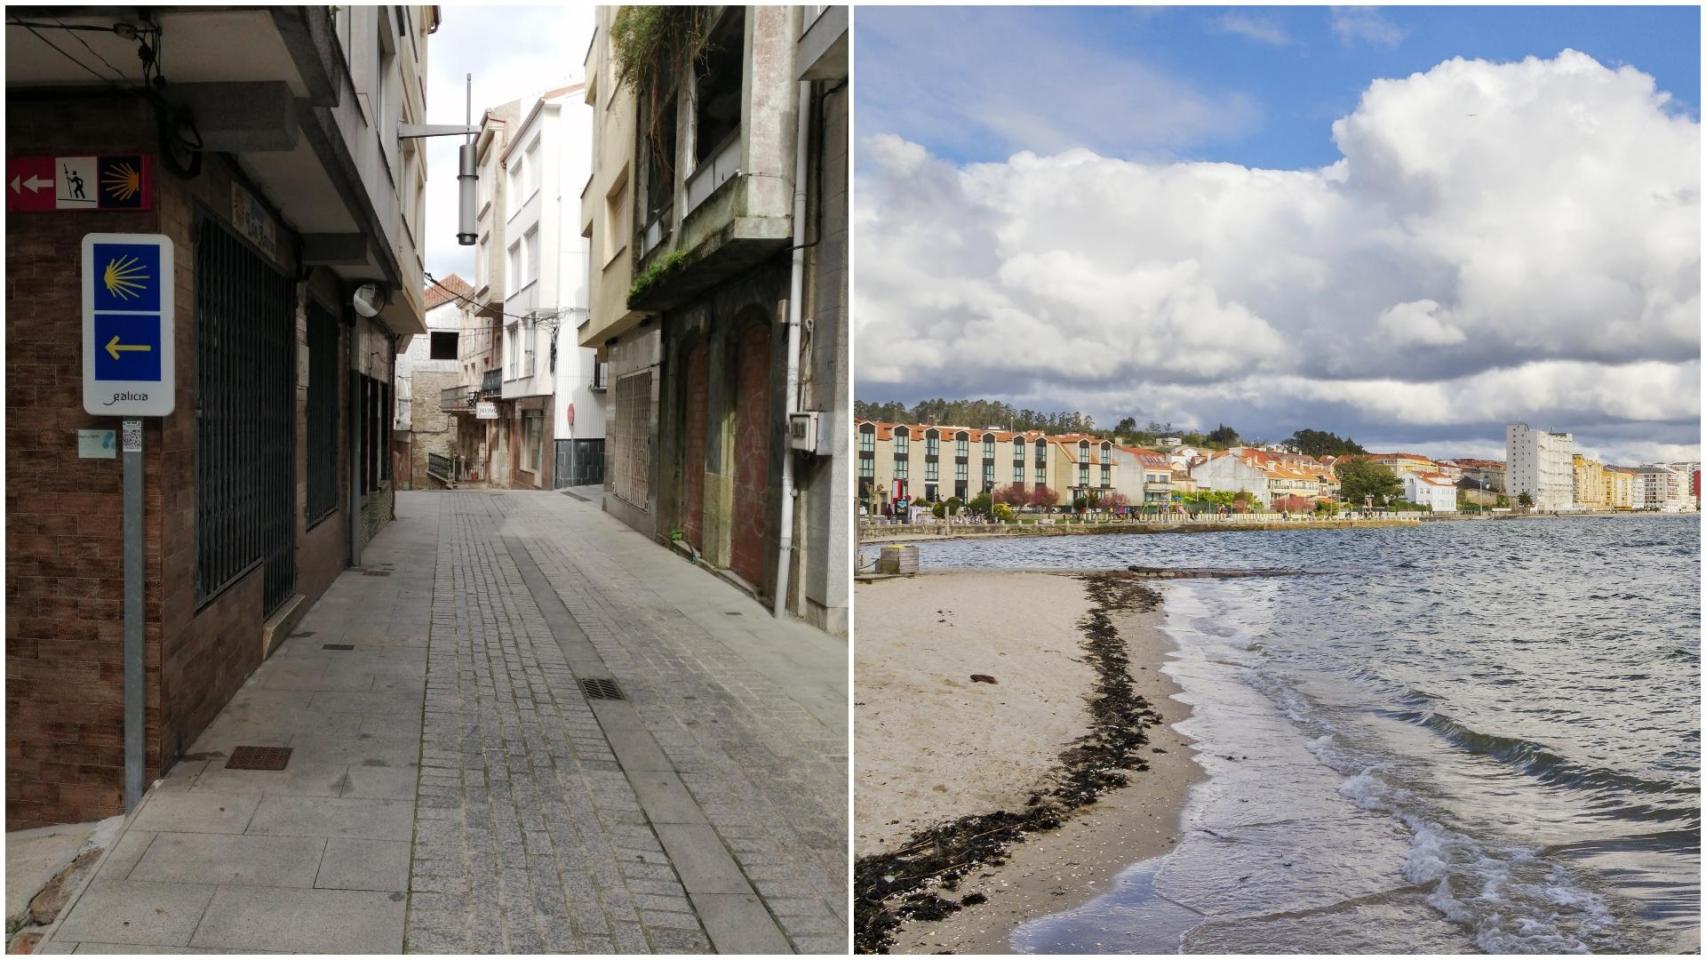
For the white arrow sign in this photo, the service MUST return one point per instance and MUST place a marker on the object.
(34, 183)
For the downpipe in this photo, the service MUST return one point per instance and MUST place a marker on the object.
(791, 388)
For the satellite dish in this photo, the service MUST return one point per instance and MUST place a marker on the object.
(368, 300)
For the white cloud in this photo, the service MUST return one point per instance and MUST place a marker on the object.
(1018, 78)
(1498, 242)
(1259, 29)
(513, 53)
(1360, 25)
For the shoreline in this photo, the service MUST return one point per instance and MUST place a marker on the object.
(958, 870)
(873, 534)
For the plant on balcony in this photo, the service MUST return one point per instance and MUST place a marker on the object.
(654, 46)
(660, 267)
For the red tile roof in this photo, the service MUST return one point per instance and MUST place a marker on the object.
(437, 295)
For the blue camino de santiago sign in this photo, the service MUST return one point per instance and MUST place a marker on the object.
(127, 324)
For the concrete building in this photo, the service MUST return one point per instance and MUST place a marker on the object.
(1402, 464)
(730, 204)
(1144, 476)
(932, 463)
(1488, 475)
(1618, 488)
(1269, 477)
(273, 163)
(1538, 463)
(1587, 482)
(483, 430)
(427, 370)
(1436, 491)
(1661, 487)
(627, 339)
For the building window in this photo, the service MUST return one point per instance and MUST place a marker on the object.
(616, 230)
(932, 470)
(529, 340)
(1084, 474)
(989, 474)
(1018, 450)
(1106, 473)
(931, 444)
(900, 467)
(867, 439)
(514, 271)
(960, 445)
(244, 417)
(988, 446)
(530, 256)
(1019, 473)
(530, 170)
(660, 160)
(1042, 475)
(900, 442)
(716, 104)
(960, 471)
(443, 346)
(867, 469)
(1083, 451)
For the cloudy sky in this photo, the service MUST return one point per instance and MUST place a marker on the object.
(1411, 225)
(513, 53)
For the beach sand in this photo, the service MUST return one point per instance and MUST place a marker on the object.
(989, 752)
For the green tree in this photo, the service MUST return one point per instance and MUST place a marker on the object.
(1320, 443)
(1361, 479)
(1525, 500)
(979, 505)
(1222, 436)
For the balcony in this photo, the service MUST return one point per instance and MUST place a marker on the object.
(457, 399)
(491, 385)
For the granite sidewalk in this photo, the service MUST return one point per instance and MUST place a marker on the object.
(456, 785)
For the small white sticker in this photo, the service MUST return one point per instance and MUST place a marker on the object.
(95, 445)
(133, 436)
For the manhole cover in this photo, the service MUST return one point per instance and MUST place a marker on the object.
(258, 758)
(599, 688)
(337, 646)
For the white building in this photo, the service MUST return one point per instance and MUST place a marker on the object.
(1661, 487)
(1435, 491)
(545, 373)
(428, 371)
(1538, 463)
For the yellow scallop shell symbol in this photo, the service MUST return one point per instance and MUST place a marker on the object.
(125, 278)
(123, 181)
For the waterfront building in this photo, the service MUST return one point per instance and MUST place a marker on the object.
(1144, 476)
(1538, 463)
(1487, 475)
(933, 463)
(1432, 490)
(1450, 469)
(1587, 482)
(1402, 464)
(1617, 488)
(1265, 475)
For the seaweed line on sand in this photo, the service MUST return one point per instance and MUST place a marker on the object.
(919, 880)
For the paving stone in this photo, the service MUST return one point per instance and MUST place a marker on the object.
(131, 911)
(196, 811)
(334, 817)
(364, 865)
(231, 859)
(281, 920)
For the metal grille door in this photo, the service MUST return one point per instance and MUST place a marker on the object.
(323, 381)
(245, 358)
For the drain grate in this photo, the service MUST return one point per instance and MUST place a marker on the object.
(601, 688)
(375, 573)
(337, 646)
(258, 758)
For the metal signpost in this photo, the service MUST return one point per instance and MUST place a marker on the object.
(128, 372)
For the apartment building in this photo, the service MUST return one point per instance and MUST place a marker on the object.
(428, 373)
(1487, 475)
(932, 463)
(1618, 488)
(1661, 487)
(1587, 477)
(1403, 464)
(1144, 476)
(1436, 491)
(1267, 476)
(724, 189)
(1538, 463)
(272, 162)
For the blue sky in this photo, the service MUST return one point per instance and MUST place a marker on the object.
(1268, 81)
(1411, 225)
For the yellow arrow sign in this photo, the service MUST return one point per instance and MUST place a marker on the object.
(113, 347)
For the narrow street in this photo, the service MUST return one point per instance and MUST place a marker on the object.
(452, 787)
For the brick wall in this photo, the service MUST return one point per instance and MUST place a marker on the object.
(64, 619)
(64, 537)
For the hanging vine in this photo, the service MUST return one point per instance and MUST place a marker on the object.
(653, 47)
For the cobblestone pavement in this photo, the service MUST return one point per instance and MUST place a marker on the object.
(706, 810)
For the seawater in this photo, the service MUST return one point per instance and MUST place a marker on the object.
(1440, 739)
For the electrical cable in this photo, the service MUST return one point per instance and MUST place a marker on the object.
(76, 35)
